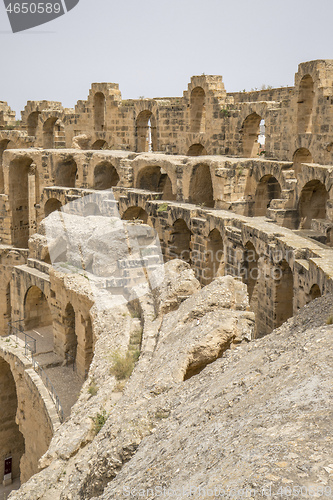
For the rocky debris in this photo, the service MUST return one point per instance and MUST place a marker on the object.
(255, 416)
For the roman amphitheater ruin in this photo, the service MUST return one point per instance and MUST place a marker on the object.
(235, 184)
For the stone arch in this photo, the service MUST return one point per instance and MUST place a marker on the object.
(283, 293)
(146, 132)
(198, 110)
(250, 273)
(105, 176)
(179, 243)
(314, 293)
(268, 189)
(312, 203)
(52, 205)
(196, 150)
(48, 132)
(135, 213)
(214, 257)
(32, 123)
(305, 105)
(250, 132)
(12, 442)
(37, 312)
(99, 111)
(154, 178)
(19, 197)
(71, 341)
(65, 173)
(301, 155)
(99, 144)
(201, 187)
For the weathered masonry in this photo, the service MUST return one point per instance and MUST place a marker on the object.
(233, 183)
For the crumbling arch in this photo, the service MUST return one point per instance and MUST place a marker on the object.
(155, 179)
(179, 243)
(135, 213)
(301, 155)
(314, 293)
(71, 341)
(197, 150)
(250, 132)
(32, 123)
(99, 111)
(312, 203)
(146, 132)
(201, 186)
(214, 257)
(305, 105)
(268, 189)
(198, 110)
(12, 442)
(65, 173)
(52, 205)
(48, 132)
(283, 293)
(105, 176)
(37, 312)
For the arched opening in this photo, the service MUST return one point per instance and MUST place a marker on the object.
(48, 133)
(146, 132)
(267, 190)
(70, 332)
(19, 198)
(91, 209)
(284, 293)
(201, 187)
(198, 110)
(262, 137)
(65, 173)
(155, 179)
(135, 213)
(301, 155)
(36, 309)
(11, 439)
(214, 257)
(196, 150)
(250, 273)
(312, 203)
(250, 133)
(99, 144)
(32, 123)
(180, 241)
(51, 206)
(99, 111)
(314, 293)
(105, 176)
(59, 135)
(305, 105)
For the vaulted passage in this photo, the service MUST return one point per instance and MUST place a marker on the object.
(267, 190)
(146, 133)
(19, 197)
(312, 203)
(314, 293)
(65, 173)
(99, 144)
(180, 241)
(32, 123)
(305, 105)
(99, 111)
(214, 257)
(36, 309)
(11, 439)
(135, 213)
(284, 294)
(105, 176)
(48, 132)
(196, 150)
(51, 206)
(198, 110)
(250, 133)
(301, 155)
(201, 187)
(155, 179)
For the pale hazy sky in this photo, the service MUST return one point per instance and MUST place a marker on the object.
(152, 48)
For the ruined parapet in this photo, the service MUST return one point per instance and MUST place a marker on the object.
(7, 116)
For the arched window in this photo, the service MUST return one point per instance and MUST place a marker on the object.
(146, 132)
(250, 134)
(32, 123)
(198, 110)
(99, 111)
